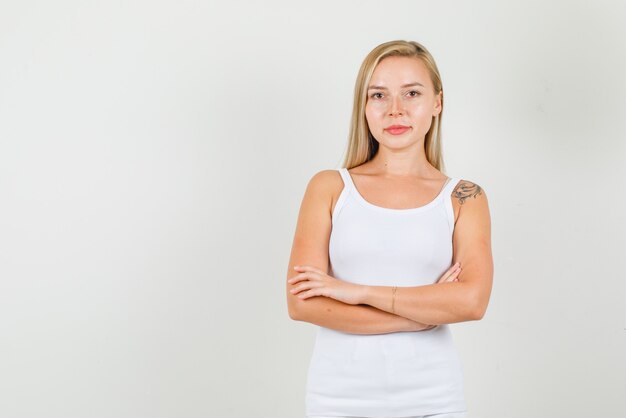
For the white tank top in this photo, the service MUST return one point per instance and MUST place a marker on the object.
(397, 374)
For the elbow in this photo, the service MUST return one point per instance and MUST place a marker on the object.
(478, 312)
(300, 310)
(293, 314)
(477, 308)
(292, 306)
(294, 309)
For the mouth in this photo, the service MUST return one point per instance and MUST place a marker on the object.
(397, 129)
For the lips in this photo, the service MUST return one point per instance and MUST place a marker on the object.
(397, 129)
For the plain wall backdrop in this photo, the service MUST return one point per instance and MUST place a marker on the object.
(153, 157)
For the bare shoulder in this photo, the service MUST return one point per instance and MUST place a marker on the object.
(326, 179)
(468, 196)
(468, 190)
(326, 185)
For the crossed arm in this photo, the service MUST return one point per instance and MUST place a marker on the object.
(354, 319)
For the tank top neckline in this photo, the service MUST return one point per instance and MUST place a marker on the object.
(364, 202)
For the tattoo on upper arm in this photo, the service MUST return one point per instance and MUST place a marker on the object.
(466, 189)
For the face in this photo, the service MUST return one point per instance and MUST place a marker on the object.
(401, 94)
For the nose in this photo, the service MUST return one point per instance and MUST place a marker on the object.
(396, 107)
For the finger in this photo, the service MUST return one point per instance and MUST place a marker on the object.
(303, 276)
(456, 272)
(447, 275)
(449, 272)
(309, 293)
(302, 286)
(305, 286)
(452, 276)
(450, 279)
(307, 268)
(297, 278)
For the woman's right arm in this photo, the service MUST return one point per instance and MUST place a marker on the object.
(310, 247)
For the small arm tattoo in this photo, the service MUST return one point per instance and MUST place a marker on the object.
(466, 189)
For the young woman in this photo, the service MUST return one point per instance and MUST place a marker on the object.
(378, 249)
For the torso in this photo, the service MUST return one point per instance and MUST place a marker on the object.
(382, 235)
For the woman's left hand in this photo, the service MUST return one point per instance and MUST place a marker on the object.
(317, 283)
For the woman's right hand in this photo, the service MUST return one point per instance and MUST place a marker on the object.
(451, 275)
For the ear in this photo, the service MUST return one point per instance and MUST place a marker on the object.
(438, 98)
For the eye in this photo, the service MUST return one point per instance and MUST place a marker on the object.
(417, 93)
(374, 95)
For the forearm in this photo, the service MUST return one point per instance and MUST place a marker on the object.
(440, 303)
(354, 319)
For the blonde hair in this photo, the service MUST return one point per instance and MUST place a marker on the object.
(361, 144)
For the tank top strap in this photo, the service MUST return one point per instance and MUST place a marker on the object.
(450, 185)
(447, 200)
(446, 184)
(347, 180)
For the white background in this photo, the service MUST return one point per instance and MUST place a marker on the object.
(153, 156)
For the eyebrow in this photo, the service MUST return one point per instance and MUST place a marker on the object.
(385, 88)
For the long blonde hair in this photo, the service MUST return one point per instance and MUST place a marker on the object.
(361, 144)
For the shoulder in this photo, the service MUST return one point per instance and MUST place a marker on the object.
(466, 191)
(469, 199)
(325, 182)
(324, 178)
(325, 186)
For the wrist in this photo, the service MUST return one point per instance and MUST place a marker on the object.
(364, 294)
(418, 326)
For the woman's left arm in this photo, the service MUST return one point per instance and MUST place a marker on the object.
(449, 302)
